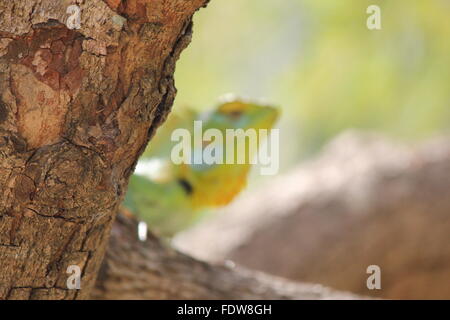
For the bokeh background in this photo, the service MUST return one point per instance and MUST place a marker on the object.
(320, 64)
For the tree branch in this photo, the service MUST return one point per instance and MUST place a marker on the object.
(364, 201)
(134, 269)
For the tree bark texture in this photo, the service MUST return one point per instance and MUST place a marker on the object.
(135, 269)
(77, 108)
(364, 201)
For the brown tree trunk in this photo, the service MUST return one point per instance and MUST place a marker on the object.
(135, 269)
(77, 108)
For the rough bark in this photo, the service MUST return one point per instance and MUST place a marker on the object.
(77, 108)
(364, 201)
(134, 269)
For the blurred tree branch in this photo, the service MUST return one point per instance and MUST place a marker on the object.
(364, 201)
(135, 269)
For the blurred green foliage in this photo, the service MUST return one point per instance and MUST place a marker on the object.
(318, 60)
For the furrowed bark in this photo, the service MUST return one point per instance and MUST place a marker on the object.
(135, 269)
(77, 108)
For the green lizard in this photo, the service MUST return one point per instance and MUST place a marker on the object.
(170, 197)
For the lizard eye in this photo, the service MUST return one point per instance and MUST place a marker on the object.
(186, 185)
(235, 114)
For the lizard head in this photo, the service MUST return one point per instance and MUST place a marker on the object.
(242, 115)
(218, 184)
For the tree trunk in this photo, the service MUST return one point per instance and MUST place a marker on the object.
(77, 108)
(135, 269)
